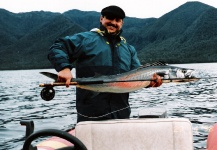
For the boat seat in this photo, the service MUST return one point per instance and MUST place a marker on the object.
(136, 134)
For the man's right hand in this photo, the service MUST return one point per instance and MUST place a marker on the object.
(65, 75)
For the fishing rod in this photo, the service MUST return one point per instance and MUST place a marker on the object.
(103, 81)
(113, 81)
(48, 92)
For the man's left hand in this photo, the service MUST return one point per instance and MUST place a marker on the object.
(156, 81)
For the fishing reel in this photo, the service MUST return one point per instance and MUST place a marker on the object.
(47, 93)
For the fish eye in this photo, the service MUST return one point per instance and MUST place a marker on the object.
(184, 71)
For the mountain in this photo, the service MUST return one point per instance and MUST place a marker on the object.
(131, 25)
(30, 47)
(187, 34)
(184, 35)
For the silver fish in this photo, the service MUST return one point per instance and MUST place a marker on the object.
(132, 80)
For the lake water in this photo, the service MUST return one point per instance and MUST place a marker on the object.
(20, 99)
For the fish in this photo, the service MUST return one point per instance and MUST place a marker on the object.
(132, 80)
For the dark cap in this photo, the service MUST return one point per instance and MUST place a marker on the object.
(113, 11)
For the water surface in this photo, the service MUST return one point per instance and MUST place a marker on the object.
(20, 99)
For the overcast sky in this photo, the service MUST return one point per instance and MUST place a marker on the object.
(132, 8)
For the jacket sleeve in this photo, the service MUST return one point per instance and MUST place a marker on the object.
(135, 63)
(62, 53)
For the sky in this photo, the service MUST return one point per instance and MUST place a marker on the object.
(132, 8)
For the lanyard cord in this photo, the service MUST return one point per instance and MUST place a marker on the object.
(102, 115)
(107, 113)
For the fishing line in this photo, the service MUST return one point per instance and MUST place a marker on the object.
(109, 112)
(104, 114)
(124, 107)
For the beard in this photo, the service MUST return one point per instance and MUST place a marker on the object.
(114, 26)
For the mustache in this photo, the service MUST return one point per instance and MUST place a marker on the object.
(110, 24)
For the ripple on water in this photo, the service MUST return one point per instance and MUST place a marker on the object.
(20, 99)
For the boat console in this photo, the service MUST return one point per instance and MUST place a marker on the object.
(151, 130)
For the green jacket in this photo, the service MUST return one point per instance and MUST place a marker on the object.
(96, 52)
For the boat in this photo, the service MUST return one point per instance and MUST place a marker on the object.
(151, 130)
(212, 138)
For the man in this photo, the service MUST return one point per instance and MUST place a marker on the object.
(99, 51)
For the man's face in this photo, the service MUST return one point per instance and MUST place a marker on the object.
(113, 25)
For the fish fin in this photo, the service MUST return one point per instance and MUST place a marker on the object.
(158, 63)
(94, 94)
(162, 74)
(50, 75)
(54, 76)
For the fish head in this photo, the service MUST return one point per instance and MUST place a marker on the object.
(183, 73)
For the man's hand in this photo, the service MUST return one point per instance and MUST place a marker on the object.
(156, 81)
(65, 75)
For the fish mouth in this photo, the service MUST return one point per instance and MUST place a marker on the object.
(184, 73)
(189, 73)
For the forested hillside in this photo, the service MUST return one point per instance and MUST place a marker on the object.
(187, 34)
